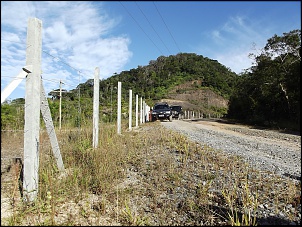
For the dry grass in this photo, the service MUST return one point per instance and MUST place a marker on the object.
(148, 176)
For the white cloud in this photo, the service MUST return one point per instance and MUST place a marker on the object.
(234, 40)
(216, 36)
(57, 35)
(75, 37)
(237, 60)
(15, 14)
(12, 37)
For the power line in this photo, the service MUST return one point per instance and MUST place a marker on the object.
(54, 57)
(14, 42)
(142, 29)
(52, 80)
(58, 80)
(166, 27)
(61, 61)
(78, 88)
(153, 28)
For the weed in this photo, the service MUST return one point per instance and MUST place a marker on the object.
(178, 182)
(131, 218)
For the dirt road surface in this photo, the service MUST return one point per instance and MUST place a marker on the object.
(268, 149)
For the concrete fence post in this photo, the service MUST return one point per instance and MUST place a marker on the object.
(144, 112)
(96, 104)
(136, 110)
(130, 110)
(141, 110)
(119, 107)
(32, 110)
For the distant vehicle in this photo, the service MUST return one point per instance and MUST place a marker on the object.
(177, 111)
(161, 111)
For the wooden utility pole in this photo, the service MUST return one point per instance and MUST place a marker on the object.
(60, 108)
(32, 110)
(111, 103)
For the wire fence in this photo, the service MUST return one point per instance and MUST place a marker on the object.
(13, 135)
(12, 125)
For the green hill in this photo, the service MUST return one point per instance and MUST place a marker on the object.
(198, 82)
(267, 94)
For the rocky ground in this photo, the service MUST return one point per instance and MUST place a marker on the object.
(270, 150)
(273, 153)
(182, 183)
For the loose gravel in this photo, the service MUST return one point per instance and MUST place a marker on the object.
(165, 186)
(263, 149)
(196, 193)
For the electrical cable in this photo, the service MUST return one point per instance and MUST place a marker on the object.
(166, 26)
(153, 28)
(141, 28)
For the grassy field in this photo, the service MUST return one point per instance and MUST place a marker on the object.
(148, 176)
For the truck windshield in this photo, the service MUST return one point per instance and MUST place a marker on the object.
(177, 108)
(157, 107)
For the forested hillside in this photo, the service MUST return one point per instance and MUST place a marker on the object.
(266, 94)
(155, 80)
(269, 94)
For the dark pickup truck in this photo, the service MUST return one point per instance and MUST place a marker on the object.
(177, 111)
(161, 111)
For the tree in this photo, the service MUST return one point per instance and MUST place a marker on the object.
(272, 87)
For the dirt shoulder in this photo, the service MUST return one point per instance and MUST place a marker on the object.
(264, 135)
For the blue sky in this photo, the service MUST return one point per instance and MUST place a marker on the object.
(78, 36)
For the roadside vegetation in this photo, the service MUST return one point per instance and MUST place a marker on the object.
(133, 178)
(149, 176)
(268, 94)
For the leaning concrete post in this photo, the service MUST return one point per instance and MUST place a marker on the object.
(15, 82)
(46, 114)
(32, 110)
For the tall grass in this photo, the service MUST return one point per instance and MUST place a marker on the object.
(92, 190)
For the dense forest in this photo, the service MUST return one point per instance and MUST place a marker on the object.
(267, 94)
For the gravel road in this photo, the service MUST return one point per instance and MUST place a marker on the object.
(263, 149)
(167, 189)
